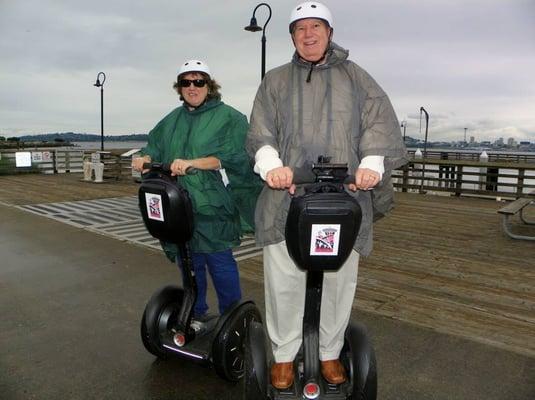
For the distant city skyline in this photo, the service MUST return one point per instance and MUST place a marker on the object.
(469, 63)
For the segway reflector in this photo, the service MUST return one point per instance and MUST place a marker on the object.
(179, 339)
(311, 390)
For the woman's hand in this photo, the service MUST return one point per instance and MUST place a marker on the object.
(281, 178)
(137, 163)
(179, 166)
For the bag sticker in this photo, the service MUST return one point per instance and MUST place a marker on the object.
(324, 239)
(154, 206)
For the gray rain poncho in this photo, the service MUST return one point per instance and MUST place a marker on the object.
(342, 113)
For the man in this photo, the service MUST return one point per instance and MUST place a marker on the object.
(318, 104)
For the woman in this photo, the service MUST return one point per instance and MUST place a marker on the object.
(208, 135)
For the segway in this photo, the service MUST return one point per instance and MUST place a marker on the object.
(321, 228)
(167, 328)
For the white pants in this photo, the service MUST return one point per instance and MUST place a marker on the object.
(285, 287)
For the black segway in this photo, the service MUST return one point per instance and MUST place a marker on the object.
(167, 328)
(321, 228)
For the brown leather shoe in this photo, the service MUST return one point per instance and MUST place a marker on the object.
(282, 375)
(333, 371)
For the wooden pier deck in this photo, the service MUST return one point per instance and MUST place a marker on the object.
(439, 262)
(444, 263)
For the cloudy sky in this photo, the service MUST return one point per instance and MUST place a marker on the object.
(469, 63)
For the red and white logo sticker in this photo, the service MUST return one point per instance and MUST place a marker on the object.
(324, 240)
(154, 206)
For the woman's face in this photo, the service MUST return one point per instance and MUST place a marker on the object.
(193, 95)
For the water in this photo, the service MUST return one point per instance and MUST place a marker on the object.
(126, 145)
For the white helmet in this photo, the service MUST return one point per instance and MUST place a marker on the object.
(311, 9)
(194, 66)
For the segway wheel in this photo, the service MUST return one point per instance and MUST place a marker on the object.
(159, 315)
(359, 359)
(255, 375)
(227, 348)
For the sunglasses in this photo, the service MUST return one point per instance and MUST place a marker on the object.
(188, 82)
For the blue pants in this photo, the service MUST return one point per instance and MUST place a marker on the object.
(224, 273)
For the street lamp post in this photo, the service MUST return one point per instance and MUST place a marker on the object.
(422, 110)
(253, 27)
(100, 84)
(404, 126)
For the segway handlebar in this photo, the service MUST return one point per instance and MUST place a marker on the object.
(166, 167)
(323, 171)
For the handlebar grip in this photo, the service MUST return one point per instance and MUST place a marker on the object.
(166, 167)
(155, 166)
(191, 170)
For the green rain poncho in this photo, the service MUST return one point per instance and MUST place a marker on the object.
(221, 214)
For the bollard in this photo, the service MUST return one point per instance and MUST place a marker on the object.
(417, 174)
(483, 158)
(99, 172)
(87, 171)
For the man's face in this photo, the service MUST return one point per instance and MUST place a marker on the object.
(311, 37)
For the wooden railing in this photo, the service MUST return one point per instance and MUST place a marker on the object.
(505, 178)
(57, 161)
(475, 156)
(460, 177)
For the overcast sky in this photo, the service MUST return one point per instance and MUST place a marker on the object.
(469, 63)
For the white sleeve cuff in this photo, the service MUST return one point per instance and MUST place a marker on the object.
(266, 159)
(375, 163)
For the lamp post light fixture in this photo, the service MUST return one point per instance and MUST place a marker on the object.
(404, 126)
(100, 83)
(253, 27)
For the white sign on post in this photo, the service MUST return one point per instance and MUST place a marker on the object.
(23, 159)
(37, 156)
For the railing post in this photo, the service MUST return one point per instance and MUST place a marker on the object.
(520, 183)
(54, 161)
(459, 181)
(405, 182)
(67, 161)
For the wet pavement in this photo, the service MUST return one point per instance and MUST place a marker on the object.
(71, 302)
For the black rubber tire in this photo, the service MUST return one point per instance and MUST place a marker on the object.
(227, 348)
(255, 375)
(159, 314)
(359, 359)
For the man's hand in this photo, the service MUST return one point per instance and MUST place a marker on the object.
(281, 178)
(137, 163)
(365, 179)
(179, 167)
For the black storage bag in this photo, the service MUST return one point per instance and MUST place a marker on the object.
(322, 227)
(166, 208)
